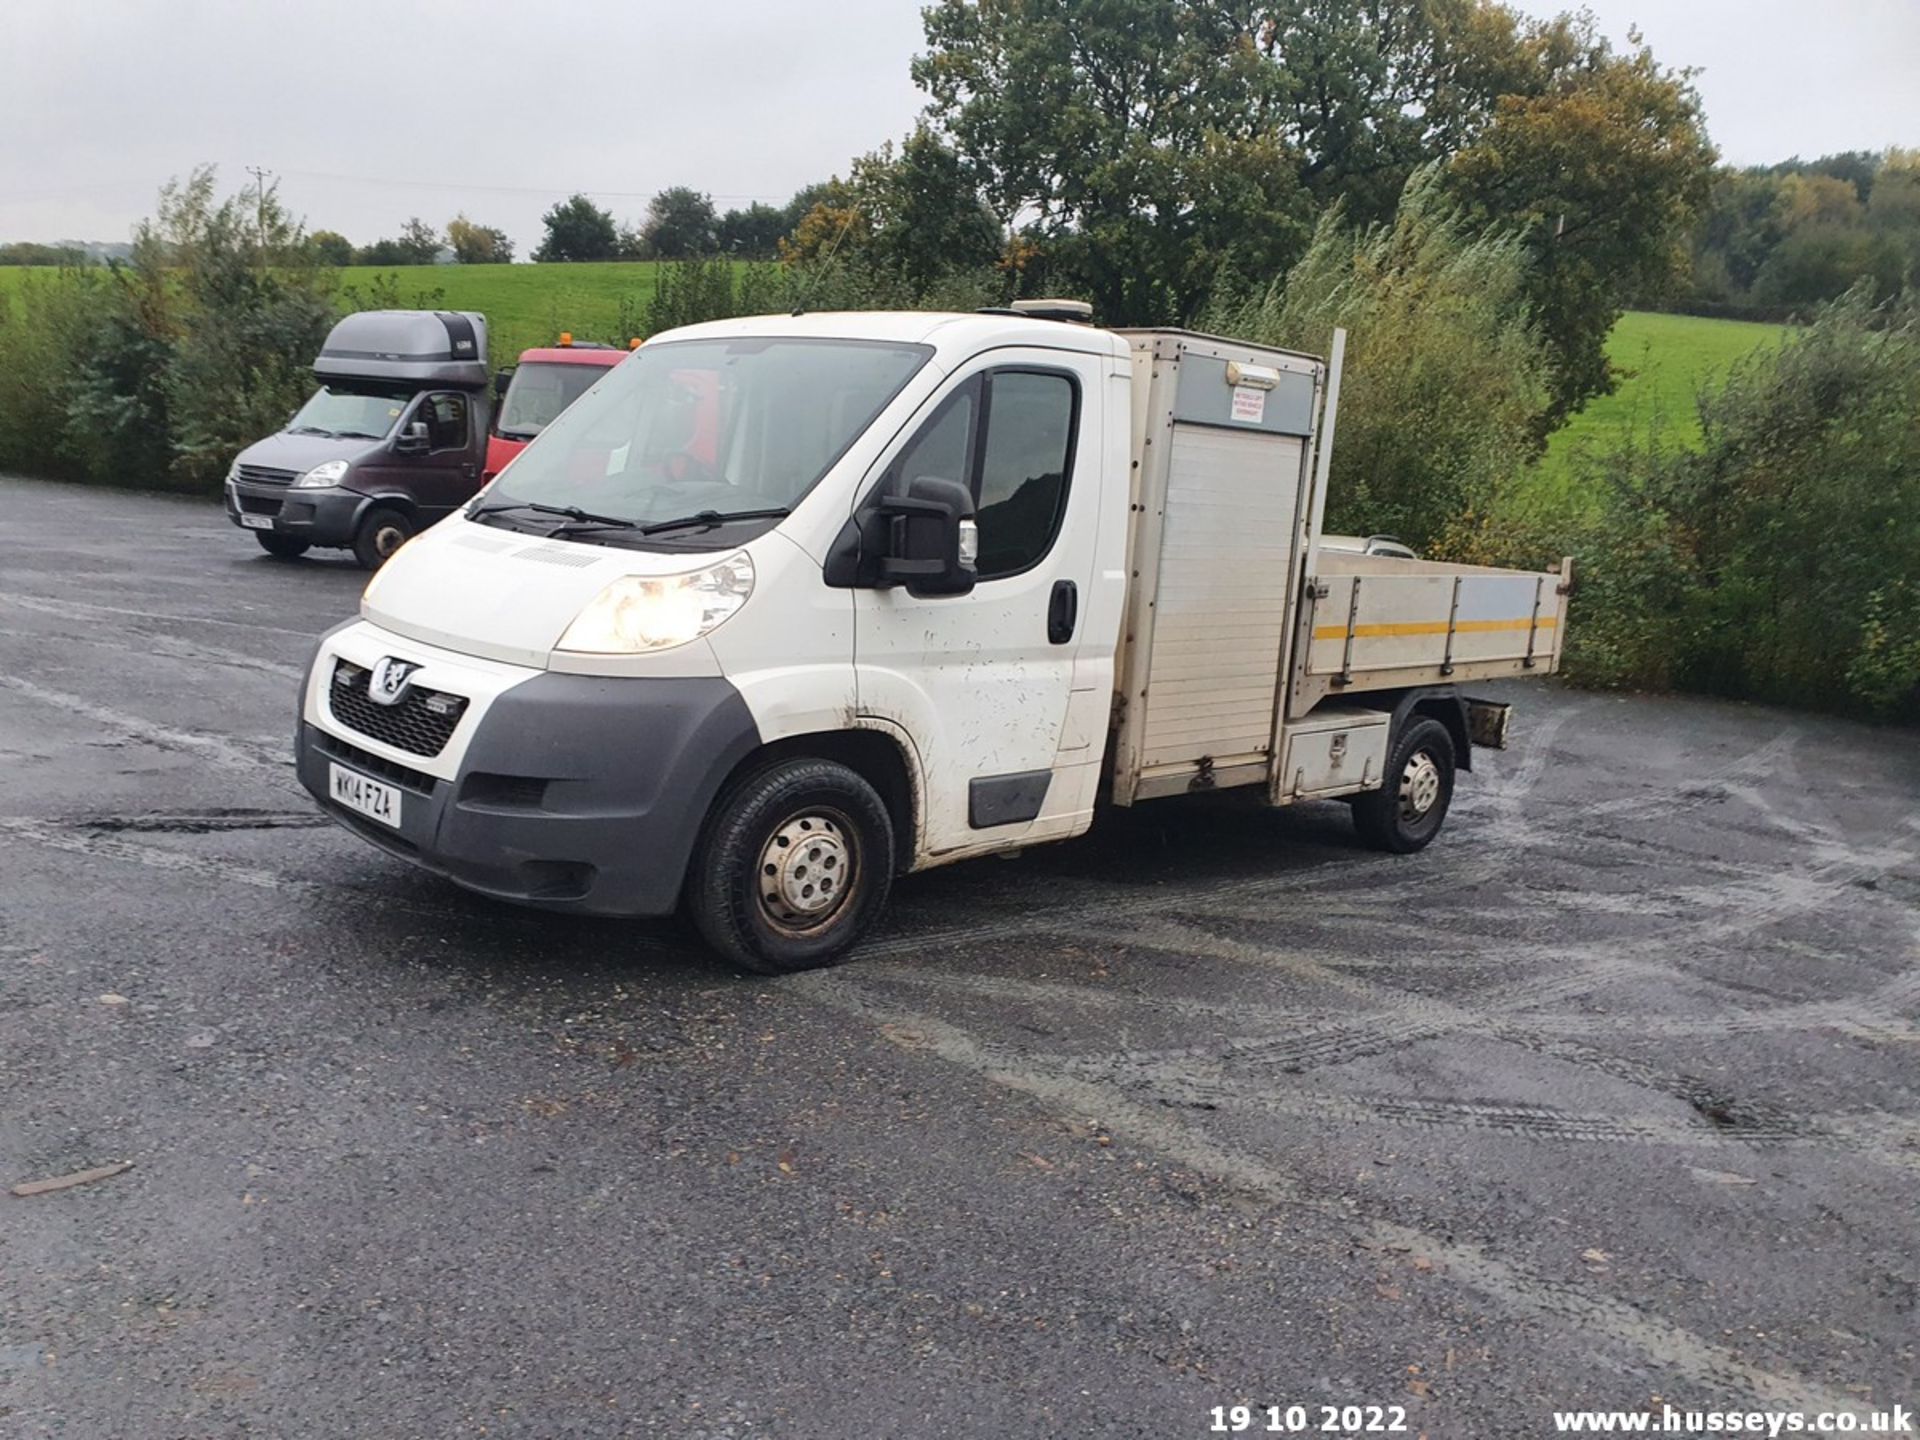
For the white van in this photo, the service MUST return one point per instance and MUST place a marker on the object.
(785, 606)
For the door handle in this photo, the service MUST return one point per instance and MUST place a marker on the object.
(1063, 610)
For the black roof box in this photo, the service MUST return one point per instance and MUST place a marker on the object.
(426, 347)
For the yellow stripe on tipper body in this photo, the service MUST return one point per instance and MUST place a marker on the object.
(1430, 627)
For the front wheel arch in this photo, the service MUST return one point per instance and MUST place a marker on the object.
(874, 755)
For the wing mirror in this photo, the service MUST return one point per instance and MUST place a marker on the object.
(412, 440)
(927, 538)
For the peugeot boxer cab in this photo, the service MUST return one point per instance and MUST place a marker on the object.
(391, 442)
(786, 606)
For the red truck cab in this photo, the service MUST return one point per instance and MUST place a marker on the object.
(532, 394)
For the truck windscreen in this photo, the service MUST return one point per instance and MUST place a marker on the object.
(351, 412)
(537, 394)
(723, 425)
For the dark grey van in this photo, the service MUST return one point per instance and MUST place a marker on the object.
(392, 440)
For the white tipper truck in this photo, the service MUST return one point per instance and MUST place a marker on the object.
(784, 607)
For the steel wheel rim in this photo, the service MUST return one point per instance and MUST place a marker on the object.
(808, 868)
(1419, 786)
(387, 539)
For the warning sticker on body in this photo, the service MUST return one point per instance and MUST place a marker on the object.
(1249, 404)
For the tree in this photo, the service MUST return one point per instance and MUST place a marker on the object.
(203, 341)
(917, 213)
(577, 229)
(420, 241)
(631, 244)
(475, 244)
(928, 212)
(1821, 260)
(680, 224)
(28, 252)
(1140, 138)
(753, 233)
(806, 197)
(1371, 91)
(330, 247)
(417, 244)
(1604, 158)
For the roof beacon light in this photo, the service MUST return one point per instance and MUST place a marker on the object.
(566, 338)
(1073, 312)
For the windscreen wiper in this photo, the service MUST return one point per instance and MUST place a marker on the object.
(570, 512)
(707, 519)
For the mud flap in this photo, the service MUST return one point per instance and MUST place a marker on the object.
(1487, 722)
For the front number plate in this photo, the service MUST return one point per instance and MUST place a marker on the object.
(368, 797)
(257, 522)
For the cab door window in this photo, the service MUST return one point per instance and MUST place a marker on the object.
(446, 417)
(1025, 456)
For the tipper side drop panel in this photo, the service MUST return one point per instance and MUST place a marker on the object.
(1376, 622)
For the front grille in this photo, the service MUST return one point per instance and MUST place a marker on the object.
(258, 504)
(419, 722)
(346, 753)
(264, 474)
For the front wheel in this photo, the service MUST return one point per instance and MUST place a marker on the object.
(281, 547)
(793, 867)
(1406, 812)
(382, 530)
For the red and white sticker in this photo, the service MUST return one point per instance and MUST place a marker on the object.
(1249, 404)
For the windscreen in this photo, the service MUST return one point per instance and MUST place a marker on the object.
(721, 425)
(537, 394)
(347, 411)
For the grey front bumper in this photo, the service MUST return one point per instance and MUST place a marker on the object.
(575, 793)
(318, 517)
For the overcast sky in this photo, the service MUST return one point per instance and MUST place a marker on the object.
(369, 111)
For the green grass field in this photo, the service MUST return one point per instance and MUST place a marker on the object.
(524, 304)
(1664, 361)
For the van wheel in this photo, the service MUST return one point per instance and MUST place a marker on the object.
(284, 547)
(1406, 812)
(382, 531)
(793, 867)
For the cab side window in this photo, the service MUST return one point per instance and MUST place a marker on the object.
(1007, 436)
(446, 417)
(1021, 488)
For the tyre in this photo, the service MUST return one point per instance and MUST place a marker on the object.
(283, 547)
(1406, 812)
(382, 530)
(793, 866)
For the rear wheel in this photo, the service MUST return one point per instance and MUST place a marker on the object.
(794, 865)
(284, 547)
(382, 531)
(1406, 812)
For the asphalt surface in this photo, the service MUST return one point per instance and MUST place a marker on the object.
(1614, 1093)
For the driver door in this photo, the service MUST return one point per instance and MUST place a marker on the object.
(982, 682)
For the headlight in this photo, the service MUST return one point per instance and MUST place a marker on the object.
(233, 472)
(320, 477)
(655, 612)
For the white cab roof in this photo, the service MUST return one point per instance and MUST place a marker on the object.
(951, 335)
